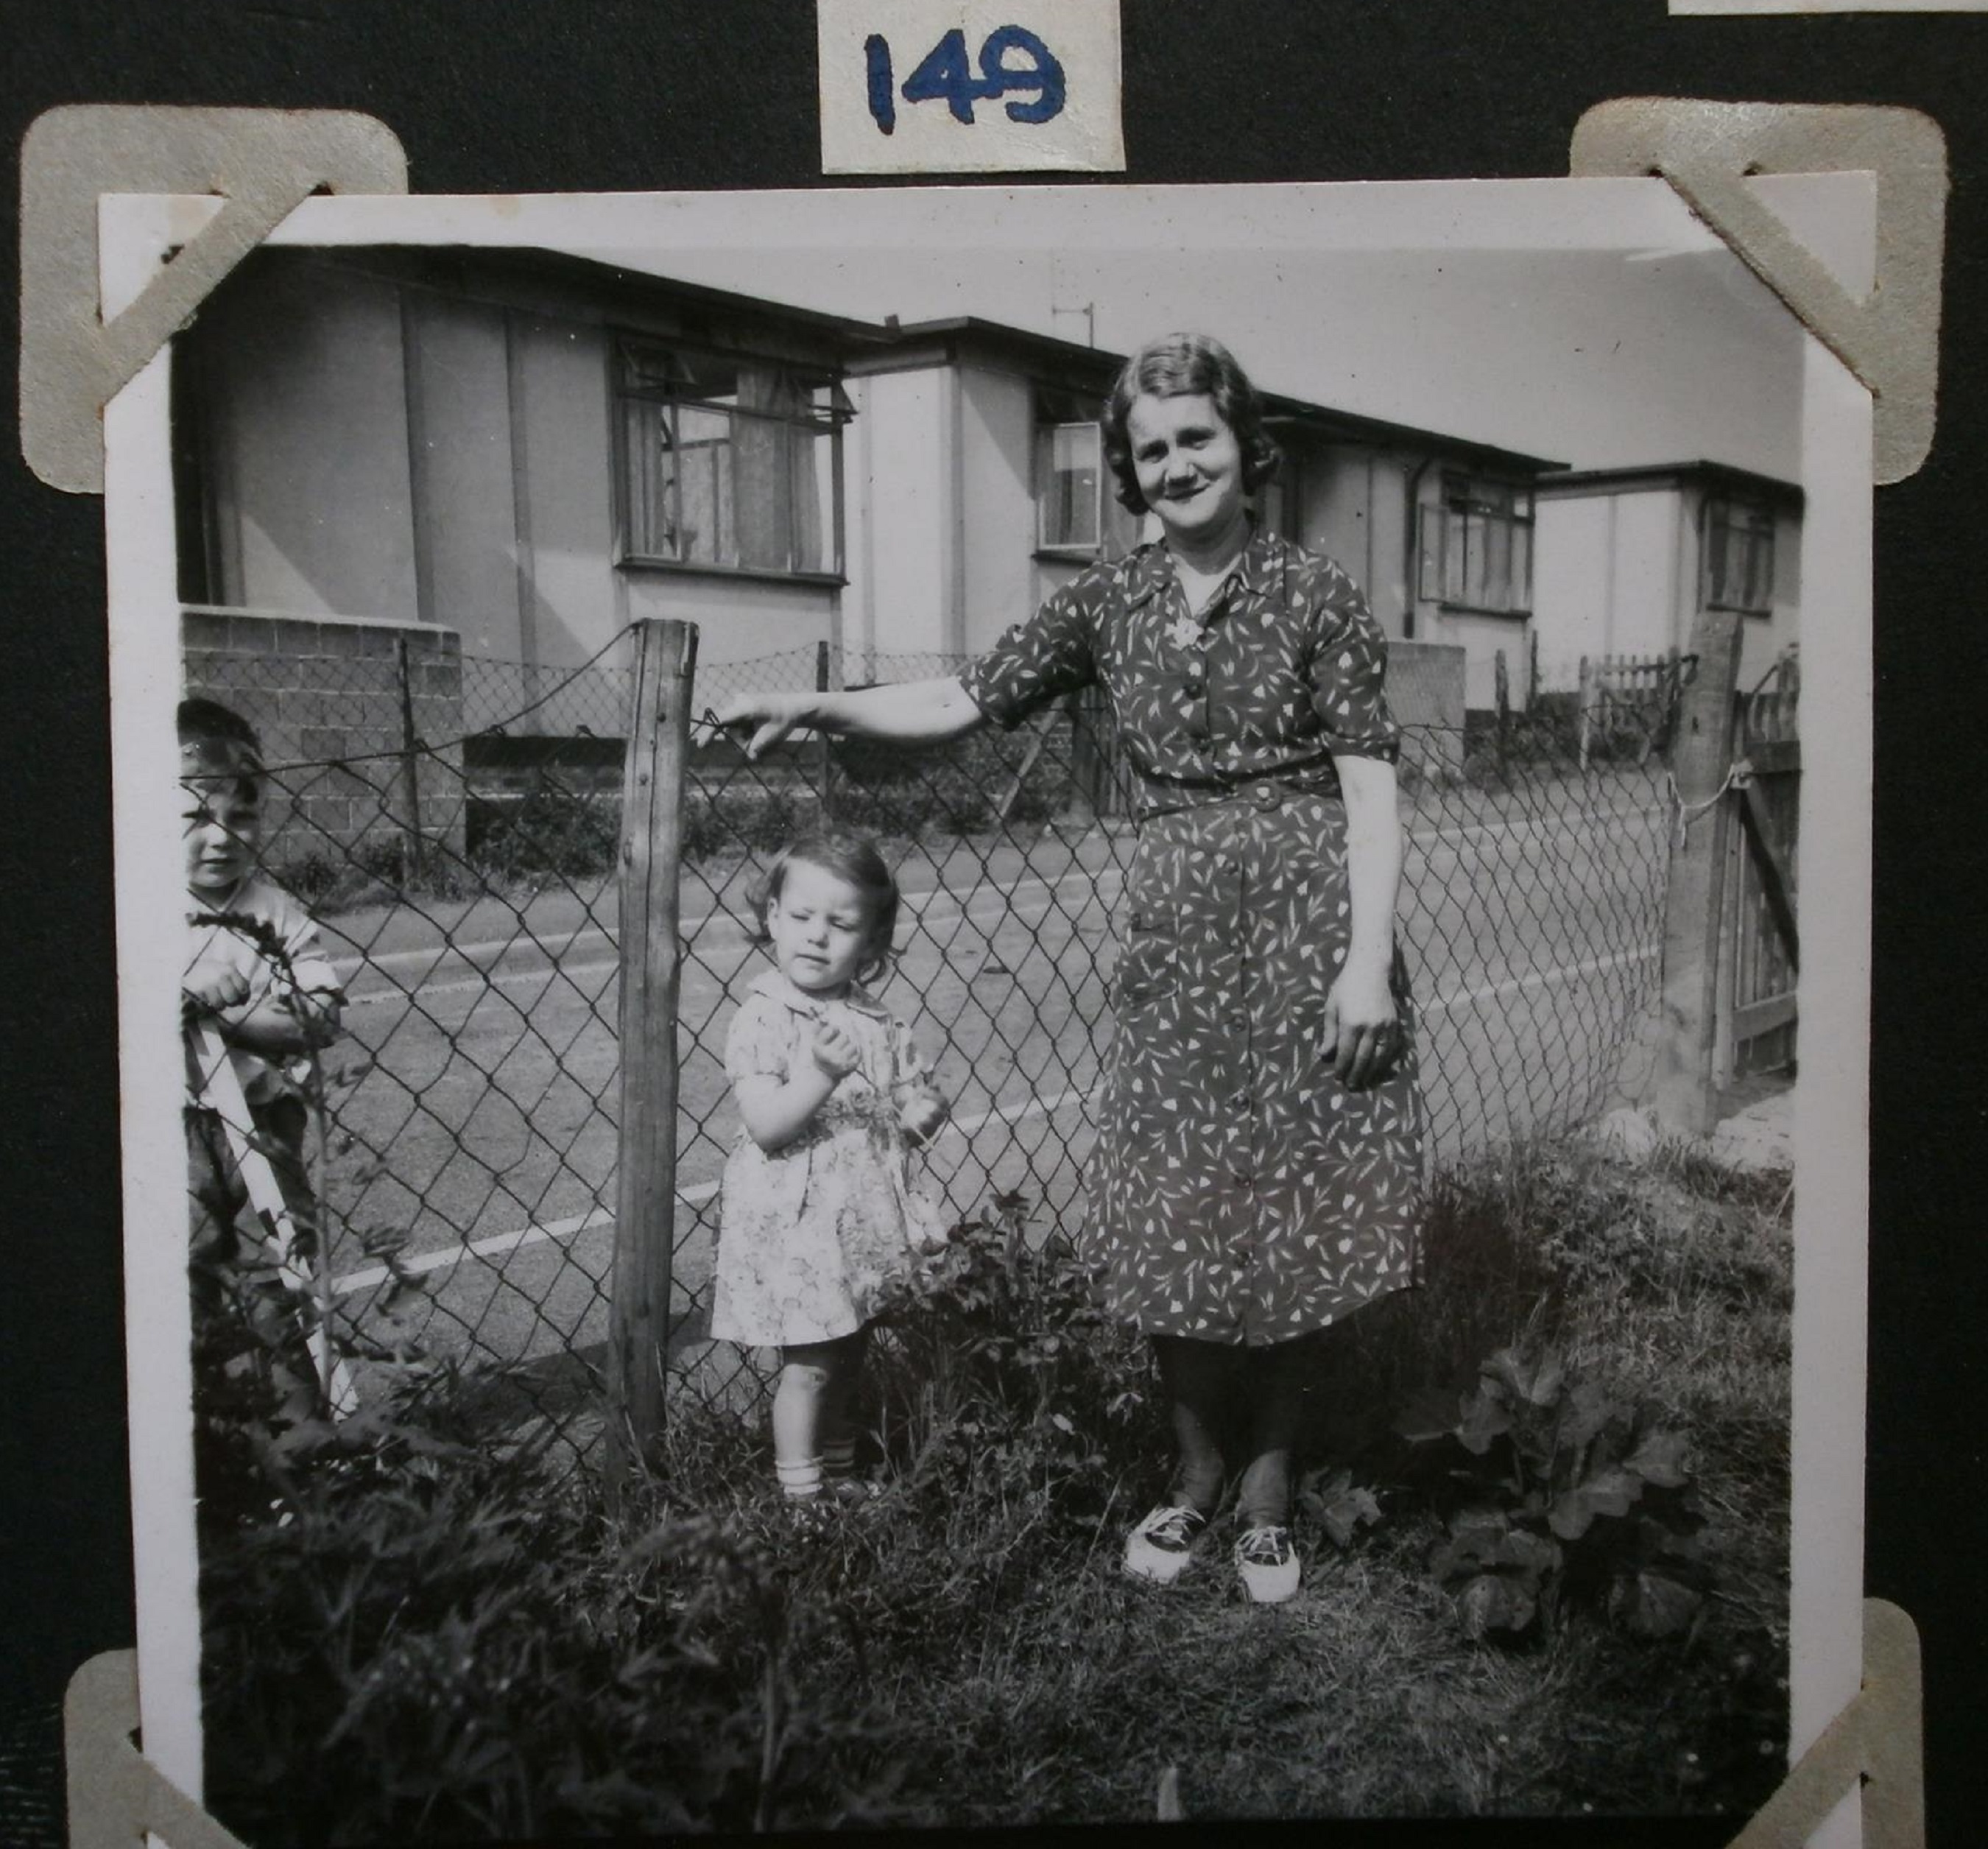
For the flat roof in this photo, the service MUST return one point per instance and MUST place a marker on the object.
(1653, 475)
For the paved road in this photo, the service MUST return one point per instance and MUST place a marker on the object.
(491, 1094)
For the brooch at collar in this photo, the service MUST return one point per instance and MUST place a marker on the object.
(1183, 632)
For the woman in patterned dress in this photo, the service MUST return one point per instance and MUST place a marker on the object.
(1257, 1173)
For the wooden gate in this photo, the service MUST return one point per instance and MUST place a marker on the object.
(1757, 990)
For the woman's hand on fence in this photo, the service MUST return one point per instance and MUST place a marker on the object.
(924, 1111)
(771, 715)
(1363, 1035)
(835, 1051)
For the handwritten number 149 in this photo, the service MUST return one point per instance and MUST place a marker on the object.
(946, 76)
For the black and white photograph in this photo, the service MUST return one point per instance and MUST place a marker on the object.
(992, 1008)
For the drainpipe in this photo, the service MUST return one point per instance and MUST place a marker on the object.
(1411, 577)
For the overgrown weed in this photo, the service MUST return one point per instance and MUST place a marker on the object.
(411, 1632)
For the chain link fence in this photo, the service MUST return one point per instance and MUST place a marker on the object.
(462, 1142)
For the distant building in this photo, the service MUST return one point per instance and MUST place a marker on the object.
(511, 455)
(1628, 557)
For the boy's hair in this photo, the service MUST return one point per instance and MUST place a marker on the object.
(217, 745)
(848, 857)
(1187, 366)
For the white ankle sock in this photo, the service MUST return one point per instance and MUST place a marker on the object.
(800, 1480)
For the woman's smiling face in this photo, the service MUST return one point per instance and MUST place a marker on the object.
(1189, 465)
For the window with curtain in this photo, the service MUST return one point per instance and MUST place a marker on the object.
(732, 464)
(1738, 569)
(1477, 545)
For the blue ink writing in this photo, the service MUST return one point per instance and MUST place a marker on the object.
(943, 76)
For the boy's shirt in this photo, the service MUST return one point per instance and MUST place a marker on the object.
(307, 971)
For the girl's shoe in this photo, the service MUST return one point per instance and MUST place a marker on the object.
(1158, 1548)
(1268, 1563)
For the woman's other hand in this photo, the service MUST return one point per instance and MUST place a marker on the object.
(771, 716)
(1362, 1033)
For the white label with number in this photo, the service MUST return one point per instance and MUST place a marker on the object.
(962, 87)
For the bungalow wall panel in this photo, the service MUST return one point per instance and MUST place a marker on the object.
(903, 468)
(739, 619)
(1573, 585)
(1650, 590)
(563, 461)
(999, 530)
(308, 435)
(465, 527)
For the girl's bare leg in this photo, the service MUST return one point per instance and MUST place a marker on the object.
(815, 1379)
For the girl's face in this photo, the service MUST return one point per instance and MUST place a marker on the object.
(821, 929)
(1188, 464)
(223, 825)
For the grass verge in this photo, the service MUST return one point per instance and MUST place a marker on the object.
(409, 1633)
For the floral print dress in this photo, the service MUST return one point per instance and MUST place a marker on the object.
(1239, 1192)
(810, 1234)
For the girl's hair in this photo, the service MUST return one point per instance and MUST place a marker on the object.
(854, 860)
(1184, 366)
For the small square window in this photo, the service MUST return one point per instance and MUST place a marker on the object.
(1476, 546)
(1738, 569)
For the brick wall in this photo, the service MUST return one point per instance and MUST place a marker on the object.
(324, 694)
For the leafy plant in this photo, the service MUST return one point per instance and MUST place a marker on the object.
(1560, 1491)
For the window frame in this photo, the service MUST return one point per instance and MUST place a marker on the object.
(1479, 499)
(1716, 517)
(674, 391)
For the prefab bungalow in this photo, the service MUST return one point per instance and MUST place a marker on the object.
(506, 457)
(1629, 557)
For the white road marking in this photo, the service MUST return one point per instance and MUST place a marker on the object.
(448, 1257)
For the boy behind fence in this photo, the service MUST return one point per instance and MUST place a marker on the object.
(258, 992)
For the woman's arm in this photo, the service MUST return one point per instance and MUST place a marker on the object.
(911, 712)
(1360, 1014)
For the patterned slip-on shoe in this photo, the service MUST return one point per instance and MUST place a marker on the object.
(1158, 1548)
(1268, 1563)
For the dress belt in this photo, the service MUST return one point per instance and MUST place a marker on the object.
(1263, 793)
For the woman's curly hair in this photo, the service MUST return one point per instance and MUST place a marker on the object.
(849, 858)
(1186, 365)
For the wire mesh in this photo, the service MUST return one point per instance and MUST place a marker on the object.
(463, 879)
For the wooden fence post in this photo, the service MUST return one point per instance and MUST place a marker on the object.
(410, 761)
(1584, 702)
(1502, 682)
(827, 765)
(1685, 1094)
(651, 954)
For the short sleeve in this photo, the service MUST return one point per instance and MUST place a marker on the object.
(310, 969)
(1051, 652)
(1349, 671)
(757, 1044)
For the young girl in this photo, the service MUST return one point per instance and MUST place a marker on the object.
(817, 1212)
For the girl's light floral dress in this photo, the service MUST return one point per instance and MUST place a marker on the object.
(810, 1234)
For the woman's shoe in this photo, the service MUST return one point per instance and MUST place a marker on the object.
(1268, 1563)
(1158, 1548)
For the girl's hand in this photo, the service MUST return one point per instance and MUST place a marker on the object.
(836, 1051)
(923, 1112)
(1362, 1036)
(771, 715)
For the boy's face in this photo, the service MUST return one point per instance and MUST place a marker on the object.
(224, 825)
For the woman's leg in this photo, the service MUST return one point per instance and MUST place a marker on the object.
(1198, 1377)
(1279, 1379)
(814, 1378)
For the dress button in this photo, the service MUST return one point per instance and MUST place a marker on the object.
(1193, 687)
(1197, 735)
(1242, 1177)
(1266, 797)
